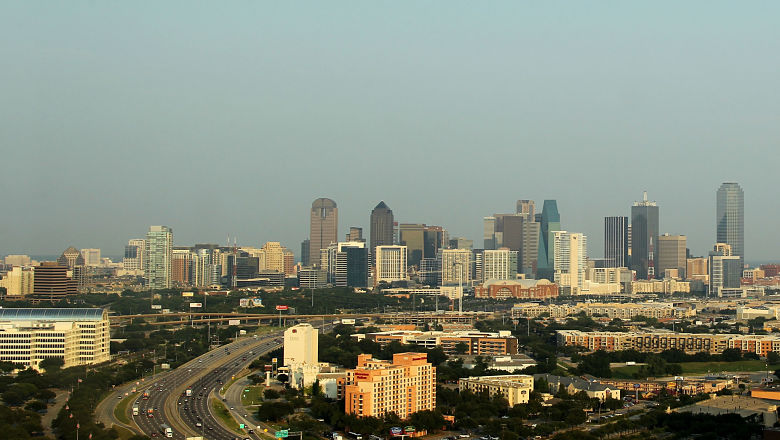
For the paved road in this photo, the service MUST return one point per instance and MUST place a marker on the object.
(165, 389)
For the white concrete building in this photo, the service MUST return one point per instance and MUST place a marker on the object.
(18, 281)
(391, 264)
(455, 267)
(301, 345)
(499, 264)
(571, 254)
(159, 256)
(77, 336)
(91, 257)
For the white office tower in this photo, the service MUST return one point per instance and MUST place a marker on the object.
(455, 266)
(571, 252)
(300, 345)
(499, 264)
(390, 264)
(159, 255)
(91, 257)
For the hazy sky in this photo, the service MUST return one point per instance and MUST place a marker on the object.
(229, 118)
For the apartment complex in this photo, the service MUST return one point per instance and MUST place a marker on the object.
(658, 341)
(77, 336)
(610, 310)
(404, 386)
(475, 343)
(516, 388)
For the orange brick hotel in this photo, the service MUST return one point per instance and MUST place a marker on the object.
(405, 386)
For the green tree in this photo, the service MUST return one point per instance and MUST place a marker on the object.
(773, 358)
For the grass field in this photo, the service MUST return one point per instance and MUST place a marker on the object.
(703, 367)
(221, 411)
(120, 411)
(253, 397)
(124, 434)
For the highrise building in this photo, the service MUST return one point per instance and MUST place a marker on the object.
(549, 222)
(455, 267)
(499, 264)
(305, 247)
(429, 272)
(301, 345)
(91, 257)
(181, 266)
(52, 282)
(571, 254)
(526, 208)
(422, 241)
(159, 255)
(134, 255)
(355, 234)
(17, 260)
(616, 241)
(725, 271)
(18, 281)
(489, 233)
(273, 257)
(390, 263)
(376, 388)
(324, 226)
(730, 218)
(671, 252)
(206, 269)
(71, 258)
(461, 243)
(644, 231)
(381, 226)
(347, 264)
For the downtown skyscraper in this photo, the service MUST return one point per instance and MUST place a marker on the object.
(730, 218)
(158, 258)
(324, 223)
(644, 238)
(381, 233)
(549, 222)
(616, 241)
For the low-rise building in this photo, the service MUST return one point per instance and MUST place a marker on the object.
(647, 341)
(574, 385)
(77, 336)
(404, 386)
(457, 342)
(610, 310)
(666, 286)
(515, 388)
(742, 405)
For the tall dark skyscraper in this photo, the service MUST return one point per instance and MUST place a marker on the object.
(644, 231)
(616, 241)
(730, 218)
(550, 221)
(324, 227)
(381, 227)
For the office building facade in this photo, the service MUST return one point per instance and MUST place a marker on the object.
(455, 267)
(616, 241)
(571, 253)
(159, 257)
(644, 238)
(730, 218)
(382, 221)
(324, 221)
(549, 222)
(301, 345)
(499, 264)
(77, 336)
(390, 264)
(671, 255)
(134, 255)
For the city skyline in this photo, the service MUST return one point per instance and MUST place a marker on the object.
(148, 126)
(597, 234)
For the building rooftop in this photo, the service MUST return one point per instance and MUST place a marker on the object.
(51, 314)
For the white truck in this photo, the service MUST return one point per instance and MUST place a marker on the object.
(135, 410)
(167, 431)
(188, 392)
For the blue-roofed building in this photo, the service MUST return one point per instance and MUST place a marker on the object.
(78, 336)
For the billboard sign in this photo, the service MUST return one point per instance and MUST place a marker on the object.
(196, 305)
(257, 302)
(396, 430)
(234, 322)
(280, 308)
(243, 302)
(187, 294)
(156, 306)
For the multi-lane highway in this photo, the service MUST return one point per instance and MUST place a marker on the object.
(165, 391)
